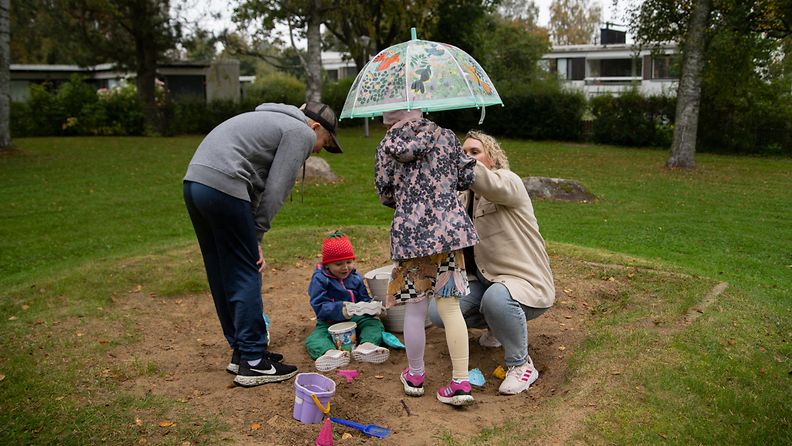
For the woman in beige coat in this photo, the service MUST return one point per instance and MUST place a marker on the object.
(515, 283)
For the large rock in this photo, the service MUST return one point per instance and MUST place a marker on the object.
(557, 189)
(317, 171)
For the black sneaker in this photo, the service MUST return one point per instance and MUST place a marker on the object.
(267, 371)
(233, 366)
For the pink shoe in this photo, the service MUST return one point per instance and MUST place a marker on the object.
(413, 384)
(456, 393)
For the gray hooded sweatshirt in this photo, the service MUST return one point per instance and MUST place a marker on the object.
(255, 157)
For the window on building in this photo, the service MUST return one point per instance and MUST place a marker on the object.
(619, 67)
(663, 67)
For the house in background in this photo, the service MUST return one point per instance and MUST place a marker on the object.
(338, 65)
(218, 80)
(614, 66)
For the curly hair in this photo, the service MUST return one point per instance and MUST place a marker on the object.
(491, 148)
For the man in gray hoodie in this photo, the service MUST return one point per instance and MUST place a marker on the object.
(236, 182)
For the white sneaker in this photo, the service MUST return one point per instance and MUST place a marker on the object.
(487, 339)
(519, 378)
(368, 352)
(332, 359)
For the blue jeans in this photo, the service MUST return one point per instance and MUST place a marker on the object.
(226, 234)
(490, 305)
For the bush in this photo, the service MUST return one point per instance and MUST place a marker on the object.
(633, 120)
(77, 109)
(533, 113)
(334, 94)
(760, 123)
(278, 87)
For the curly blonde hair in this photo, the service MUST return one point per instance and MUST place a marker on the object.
(491, 148)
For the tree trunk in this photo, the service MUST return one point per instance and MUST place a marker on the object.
(5, 76)
(683, 146)
(146, 79)
(313, 91)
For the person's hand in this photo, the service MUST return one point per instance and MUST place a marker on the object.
(261, 263)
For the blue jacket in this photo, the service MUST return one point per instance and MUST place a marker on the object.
(328, 294)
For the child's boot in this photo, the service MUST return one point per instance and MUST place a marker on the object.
(332, 359)
(368, 352)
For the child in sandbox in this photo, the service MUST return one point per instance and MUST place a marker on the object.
(419, 168)
(338, 294)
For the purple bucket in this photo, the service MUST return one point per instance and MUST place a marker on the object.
(305, 385)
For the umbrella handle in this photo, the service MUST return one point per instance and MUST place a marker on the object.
(483, 113)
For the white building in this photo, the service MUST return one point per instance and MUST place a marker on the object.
(614, 66)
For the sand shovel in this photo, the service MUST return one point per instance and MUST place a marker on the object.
(371, 430)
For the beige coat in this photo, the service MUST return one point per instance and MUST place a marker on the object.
(512, 251)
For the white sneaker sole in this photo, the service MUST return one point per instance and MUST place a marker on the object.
(232, 368)
(252, 381)
(410, 390)
(457, 400)
(377, 356)
(532, 379)
(325, 364)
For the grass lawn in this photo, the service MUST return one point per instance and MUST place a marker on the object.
(74, 210)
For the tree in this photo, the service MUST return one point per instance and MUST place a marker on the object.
(573, 22)
(683, 146)
(749, 25)
(300, 16)
(519, 10)
(366, 28)
(5, 77)
(134, 34)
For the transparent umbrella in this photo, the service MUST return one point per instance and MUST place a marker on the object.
(419, 74)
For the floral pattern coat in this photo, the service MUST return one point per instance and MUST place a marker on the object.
(419, 168)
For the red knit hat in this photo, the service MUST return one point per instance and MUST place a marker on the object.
(337, 247)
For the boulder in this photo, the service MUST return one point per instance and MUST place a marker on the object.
(317, 171)
(557, 189)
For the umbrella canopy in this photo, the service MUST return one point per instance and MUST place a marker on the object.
(419, 74)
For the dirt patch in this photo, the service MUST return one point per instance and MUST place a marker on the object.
(182, 341)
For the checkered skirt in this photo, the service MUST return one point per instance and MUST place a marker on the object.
(440, 275)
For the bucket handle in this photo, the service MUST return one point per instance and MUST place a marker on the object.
(318, 403)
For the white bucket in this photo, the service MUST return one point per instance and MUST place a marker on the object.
(344, 336)
(377, 281)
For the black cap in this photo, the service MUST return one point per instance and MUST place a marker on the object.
(326, 117)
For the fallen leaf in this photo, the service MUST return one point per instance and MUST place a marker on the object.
(138, 421)
(611, 279)
(255, 426)
(568, 316)
(59, 398)
(166, 423)
(346, 436)
(25, 307)
(567, 290)
(731, 341)
(186, 443)
(142, 440)
(615, 372)
(630, 275)
(79, 334)
(12, 318)
(562, 348)
(2, 377)
(379, 376)
(137, 289)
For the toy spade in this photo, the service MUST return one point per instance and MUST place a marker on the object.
(371, 430)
